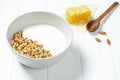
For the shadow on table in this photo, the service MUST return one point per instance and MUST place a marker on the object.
(69, 68)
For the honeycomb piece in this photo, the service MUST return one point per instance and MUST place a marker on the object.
(79, 14)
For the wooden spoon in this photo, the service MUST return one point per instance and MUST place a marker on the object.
(93, 25)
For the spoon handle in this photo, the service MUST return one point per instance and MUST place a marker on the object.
(107, 11)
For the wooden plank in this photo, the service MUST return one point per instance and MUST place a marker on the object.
(5, 62)
(8, 12)
(21, 72)
(113, 31)
(97, 61)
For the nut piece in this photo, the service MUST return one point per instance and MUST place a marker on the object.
(102, 32)
(108, 41)
(98, 40)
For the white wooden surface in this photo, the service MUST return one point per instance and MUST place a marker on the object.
(85, 60)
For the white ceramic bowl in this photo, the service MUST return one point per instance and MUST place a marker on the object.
(40, 17)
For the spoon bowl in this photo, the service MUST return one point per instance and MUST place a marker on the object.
(93, 25)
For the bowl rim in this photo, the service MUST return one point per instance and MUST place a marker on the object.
(46, 12)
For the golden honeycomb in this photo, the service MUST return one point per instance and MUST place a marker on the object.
(79, 14)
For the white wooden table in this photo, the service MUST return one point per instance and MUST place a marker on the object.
(85, 60)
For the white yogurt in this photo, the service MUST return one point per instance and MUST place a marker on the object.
(52, 39)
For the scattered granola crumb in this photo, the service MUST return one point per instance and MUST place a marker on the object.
(98, 40)
(108, 41)
(102, 32)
